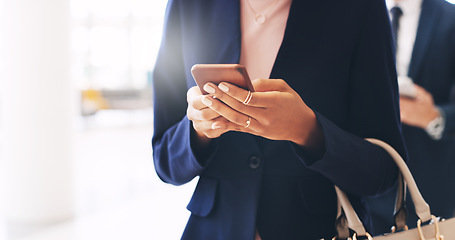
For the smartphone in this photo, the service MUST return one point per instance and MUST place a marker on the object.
(216, 73)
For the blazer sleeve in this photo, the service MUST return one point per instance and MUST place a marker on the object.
(449, 107)
(174, 160)
(449, 114)
(355, 165)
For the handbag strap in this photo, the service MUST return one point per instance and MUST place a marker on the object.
(422, 208)
(341, 224)
(353, 220)
(400, 212)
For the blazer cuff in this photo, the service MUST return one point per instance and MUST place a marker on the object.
(204, 155)
(336, 141)
(306, 156)
(449, 114)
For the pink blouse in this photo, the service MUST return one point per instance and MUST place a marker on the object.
(261, 41)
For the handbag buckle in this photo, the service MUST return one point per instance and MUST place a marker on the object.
(434, 220)
(354, 237)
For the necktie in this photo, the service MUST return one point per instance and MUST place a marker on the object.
(396, 14)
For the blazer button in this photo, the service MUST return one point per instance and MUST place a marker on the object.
(255, 162)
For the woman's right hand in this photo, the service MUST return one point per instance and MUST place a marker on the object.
(202, 117)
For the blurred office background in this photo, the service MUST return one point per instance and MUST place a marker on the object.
(76, 122)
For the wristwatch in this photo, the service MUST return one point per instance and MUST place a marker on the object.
(435, 128)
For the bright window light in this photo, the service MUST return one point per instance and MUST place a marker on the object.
(115, 43)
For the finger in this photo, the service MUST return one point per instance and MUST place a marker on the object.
(252, 127)
(205, 114)
(206, 127)
(225, 111)
(192, 92)
(196, 102)
(229, 94)
(239, 97)
(194, 98)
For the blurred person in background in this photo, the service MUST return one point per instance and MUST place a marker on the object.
(267, 166)
(425, 60)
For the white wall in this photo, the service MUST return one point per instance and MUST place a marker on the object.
(37, 111)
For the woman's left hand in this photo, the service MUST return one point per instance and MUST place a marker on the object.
(275, 111)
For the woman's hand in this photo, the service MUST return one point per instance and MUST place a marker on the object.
(202, 117)
(275, 111)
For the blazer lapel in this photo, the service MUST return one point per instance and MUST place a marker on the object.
(211, 33)
(428, 20)
(227, 31)
(302, 16)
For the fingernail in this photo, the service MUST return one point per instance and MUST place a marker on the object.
(207, 101)
(209, 88)
(214, 126)
(223, 87)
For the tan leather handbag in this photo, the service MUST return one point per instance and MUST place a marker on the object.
(437, 229)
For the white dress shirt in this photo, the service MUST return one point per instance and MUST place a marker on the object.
(407, 32)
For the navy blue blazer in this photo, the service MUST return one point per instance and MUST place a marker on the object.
(431, 162)
(338, 55)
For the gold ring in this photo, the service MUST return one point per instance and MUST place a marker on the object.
(248, 98)
(248, 122)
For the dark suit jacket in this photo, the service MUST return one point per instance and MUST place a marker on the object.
(338, 56)
(432, 163)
